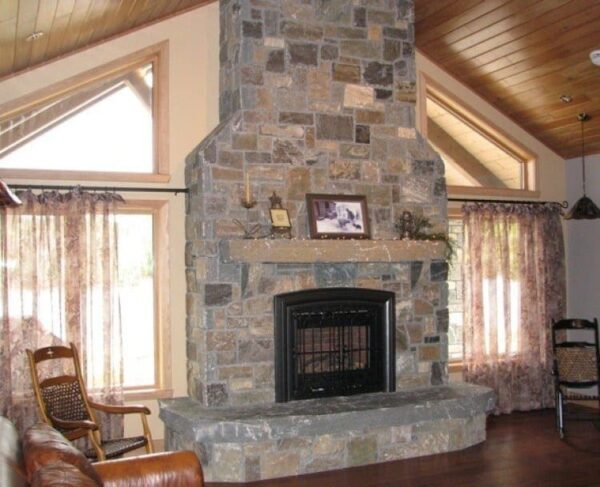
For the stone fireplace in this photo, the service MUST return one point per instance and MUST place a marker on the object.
(316, 96)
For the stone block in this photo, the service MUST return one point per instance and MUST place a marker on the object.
(392, 49)
(306, 54)
(377, 73)
(344, 169)
(252, 75)
(288, 131)
(362, 49)
(362, 450)
(329, 52)
(301, 31)
(430, 353)
(217, 294)
(335, 127)
(220, 341)
(438, 271)
(280, 464)
(298, 183)
(370, 117)
(328, 445)
(216, 395)
(346, 73)
(357, 96)
(243, 141)
(255, 350)
(359, 17)
(276, 61)
(227, 463)
(257, 157)
(362, 134)
(252, 29)
(288, 152)
(381, 94)
(297, 118)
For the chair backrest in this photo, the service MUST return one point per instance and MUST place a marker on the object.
(61, 396)
(576, 353)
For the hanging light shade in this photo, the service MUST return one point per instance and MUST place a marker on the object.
(584, 208)
(7, 197)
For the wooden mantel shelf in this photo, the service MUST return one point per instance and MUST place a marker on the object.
(308, 251)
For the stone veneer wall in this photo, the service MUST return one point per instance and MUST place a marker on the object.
(317, 96)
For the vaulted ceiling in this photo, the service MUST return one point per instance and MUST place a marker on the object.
(69, 25)
(521, 56)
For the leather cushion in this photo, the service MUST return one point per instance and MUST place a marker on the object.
(60, 474)
(43, 445)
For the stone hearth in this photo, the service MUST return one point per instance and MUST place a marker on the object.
(242, 444)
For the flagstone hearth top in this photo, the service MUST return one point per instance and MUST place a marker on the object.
(307, 251)
(328, 415)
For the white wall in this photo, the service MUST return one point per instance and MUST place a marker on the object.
(193, 113)
(583, 242)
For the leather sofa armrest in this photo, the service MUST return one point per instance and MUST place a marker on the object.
(167, 469)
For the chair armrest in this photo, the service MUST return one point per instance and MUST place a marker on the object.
(73, 425)
(167, 469)
(111, 409)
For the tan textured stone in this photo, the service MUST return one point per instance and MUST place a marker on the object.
(407, 133)
(370, 116)
(227, 462)
(226, 174)
(370, 171)
(220, 340)
(280, 464)
(328, 445)
(347, 73)
(274, 42)
(422, 307)
(359, 96)
(362, 450)
(318, 85)
(298, 183)
(430, 353)
(344, 169)
(236, 371)
(278, 80)
(375, 33)
(240, 383)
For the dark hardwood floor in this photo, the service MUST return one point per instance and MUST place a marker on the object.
(522, 449)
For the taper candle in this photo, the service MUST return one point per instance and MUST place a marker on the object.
(248, 190)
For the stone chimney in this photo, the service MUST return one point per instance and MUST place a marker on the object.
(316, 96)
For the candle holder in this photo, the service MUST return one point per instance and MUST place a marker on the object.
(248, 204)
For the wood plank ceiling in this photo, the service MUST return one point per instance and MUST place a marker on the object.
(521, 56)
(69, 25)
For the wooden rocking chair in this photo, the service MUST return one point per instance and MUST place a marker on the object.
(63, 403)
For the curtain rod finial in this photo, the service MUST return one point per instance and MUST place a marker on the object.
(7, 197)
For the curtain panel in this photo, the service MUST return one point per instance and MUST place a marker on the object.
(59, 284)
(514, 286)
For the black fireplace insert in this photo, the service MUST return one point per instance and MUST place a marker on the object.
(334, 342)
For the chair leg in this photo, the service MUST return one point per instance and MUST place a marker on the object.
(96, 443)
(147, 434)
(560, 415)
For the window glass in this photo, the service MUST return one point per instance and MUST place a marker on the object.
(455, 292)
(105, 127)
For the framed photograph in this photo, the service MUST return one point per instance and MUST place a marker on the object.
(337, 216)
(280, 218)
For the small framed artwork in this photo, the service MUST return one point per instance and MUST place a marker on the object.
(280, 218)
(337, 216)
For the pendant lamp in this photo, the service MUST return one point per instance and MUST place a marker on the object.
(7, 197)
(584, 208)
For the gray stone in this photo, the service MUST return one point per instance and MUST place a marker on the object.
(335, 127)
(439, 188)
(382, 94)
(360, 49)
(329, 52)
(276, 61)
(360, 17)
(255, 350)
(252, 75)
(438, 271)
(303, 54)
(333, 10)
(437, 373)
(287, 152)
(362, 134)
(271, 22)
(258, 157)
(395, 33)
(216, 395)
(217, 294)
(392, 49)
(443, 320)
(423, 168)
(252, 29)
(330, 275)
(415, 273)
(296, 30)
(379, 74)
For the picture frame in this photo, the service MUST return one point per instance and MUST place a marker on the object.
(280, 218)
(337, 216)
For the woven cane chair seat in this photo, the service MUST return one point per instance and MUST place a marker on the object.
(116, 448)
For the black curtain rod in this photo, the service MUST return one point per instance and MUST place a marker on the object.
(110, 189)
(564, 204)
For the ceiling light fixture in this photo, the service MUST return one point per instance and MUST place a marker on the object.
(584, 208)
(595, 57)
(566, 98)
(34, 36)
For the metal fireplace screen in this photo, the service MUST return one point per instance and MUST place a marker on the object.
(333, 342)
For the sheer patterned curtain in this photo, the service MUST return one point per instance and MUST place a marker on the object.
(58, 278)
(514, 286)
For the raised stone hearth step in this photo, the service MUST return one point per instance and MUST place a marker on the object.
(307, 251)
(242, 444)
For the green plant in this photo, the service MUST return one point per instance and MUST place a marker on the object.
(418, 227)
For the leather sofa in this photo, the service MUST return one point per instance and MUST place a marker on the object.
(45, 458)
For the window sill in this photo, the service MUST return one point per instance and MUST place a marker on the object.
(147, 394)
(455, 367)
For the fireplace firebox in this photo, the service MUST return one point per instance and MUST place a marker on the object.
(334, 342)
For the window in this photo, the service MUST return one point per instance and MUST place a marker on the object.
(479, 158)
(455, 292)
(109, 123)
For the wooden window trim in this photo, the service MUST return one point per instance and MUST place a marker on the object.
(158, 55)
(162, 388)
(430, 88)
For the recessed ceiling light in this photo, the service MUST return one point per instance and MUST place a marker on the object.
(595, 57)
(34, 36)
(566, 98)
